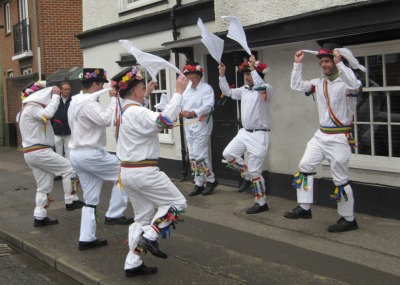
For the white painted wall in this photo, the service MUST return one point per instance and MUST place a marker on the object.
(97, 13)
(260, 11)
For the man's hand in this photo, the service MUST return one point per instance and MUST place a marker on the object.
(56, 90)
(181, 83)
(299, 56)
(188, 114)
(221, 69)
(337, 57)
(112, 92)
(150, 88)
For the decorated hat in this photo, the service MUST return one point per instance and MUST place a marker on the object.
(327, 50)
(32, 88)
(260, 67)
(192, 67)
(126, 79)
(93, 75)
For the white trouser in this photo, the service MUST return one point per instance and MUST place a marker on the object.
(45, 163)
(93, 167)
(61, 145)
(198, 150)
(336, 150)
(256, 144)
(152, 194)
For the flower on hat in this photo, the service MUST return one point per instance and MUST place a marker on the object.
(94, 74)
(133, 74)
(31, 89)
(259, 66)
(192, 68)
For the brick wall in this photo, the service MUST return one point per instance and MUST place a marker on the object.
(58, 22)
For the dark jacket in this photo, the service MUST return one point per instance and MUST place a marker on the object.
(60, 119)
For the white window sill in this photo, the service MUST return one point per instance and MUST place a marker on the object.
(23, 55)
(138, 4)
(374, 163)
(166, 141)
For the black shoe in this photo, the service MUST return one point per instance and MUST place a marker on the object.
(56, 178)
(152, 246)
(196, 191)
(140, 270)
(245, 185)
(74, 205)
(257, 208)
(298, 213)
(210, 186)
(45, 222)
(92, 244)
(118, 221)
(343, 225)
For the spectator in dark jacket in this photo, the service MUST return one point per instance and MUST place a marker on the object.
(62, 132)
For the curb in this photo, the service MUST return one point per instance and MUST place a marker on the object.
(61, 263)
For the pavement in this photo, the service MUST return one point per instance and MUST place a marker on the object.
(218, 243)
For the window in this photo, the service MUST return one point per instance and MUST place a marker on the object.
(376, 124)
(377, 121)
(23, 9)
(10, 73)
(26, 71)
(7, 17)
(162, 87)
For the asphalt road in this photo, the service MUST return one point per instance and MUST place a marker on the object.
(17, 268)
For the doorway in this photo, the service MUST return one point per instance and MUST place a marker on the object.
(226, 117)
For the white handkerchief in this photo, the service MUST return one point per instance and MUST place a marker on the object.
(236, 32)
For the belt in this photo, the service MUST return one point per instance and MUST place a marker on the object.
(257, 130)
(141, 163)
(336, 130)
(35, 147)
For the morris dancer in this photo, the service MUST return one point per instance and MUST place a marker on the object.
(336, 108)
(88, 155)
(155, 199)
(37, 134)
(197, 107)
(254, 136)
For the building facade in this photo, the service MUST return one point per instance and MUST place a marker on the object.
(37, 40)
(274, 32)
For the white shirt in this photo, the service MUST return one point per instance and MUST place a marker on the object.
(88, 127)
(255, 107)
(31, 123)
(201, 101)
(343, 106)
(138, 133)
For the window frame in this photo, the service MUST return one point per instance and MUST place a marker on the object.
(165, 138)
(7, 17)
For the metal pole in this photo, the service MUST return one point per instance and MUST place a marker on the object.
(36, 32)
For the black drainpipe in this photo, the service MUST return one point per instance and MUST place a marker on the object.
(175, 35)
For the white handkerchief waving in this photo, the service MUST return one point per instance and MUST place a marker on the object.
(347, 54)
(152, 63)
(236, 32)
(213, 43)
(163, 102)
